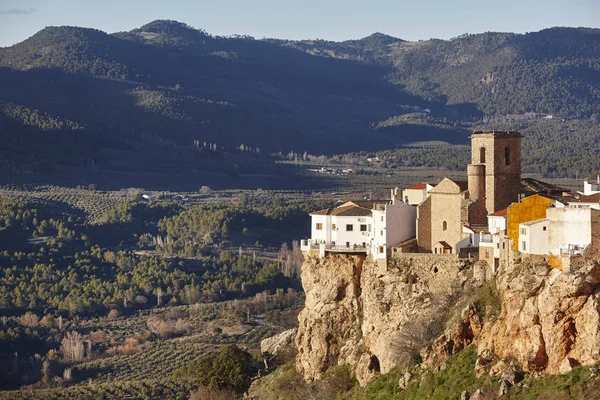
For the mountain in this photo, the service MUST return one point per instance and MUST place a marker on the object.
(167, 82)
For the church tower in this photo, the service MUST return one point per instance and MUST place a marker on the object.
(495, 169)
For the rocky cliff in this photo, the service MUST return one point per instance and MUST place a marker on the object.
(376, 315)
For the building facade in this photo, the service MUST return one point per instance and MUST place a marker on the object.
(370, 227)
(533, 237)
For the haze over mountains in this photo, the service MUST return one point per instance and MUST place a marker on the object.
(68, 92)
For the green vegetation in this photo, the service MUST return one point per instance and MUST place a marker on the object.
(230, 369)
(449, 383)
(80, 302)
(488, 301)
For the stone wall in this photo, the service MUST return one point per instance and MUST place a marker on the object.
(424, 226)
(448, 208)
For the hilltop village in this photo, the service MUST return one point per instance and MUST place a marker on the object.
(494, 210)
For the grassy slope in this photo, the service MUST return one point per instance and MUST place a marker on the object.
(459, 376)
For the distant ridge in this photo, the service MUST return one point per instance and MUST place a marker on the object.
(171, 81)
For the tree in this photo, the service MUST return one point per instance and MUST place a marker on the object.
(72, 346)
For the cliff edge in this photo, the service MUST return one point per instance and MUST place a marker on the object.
(374, 315)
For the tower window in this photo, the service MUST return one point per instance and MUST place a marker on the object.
(507, 156)
(482, 155)
(444, 226)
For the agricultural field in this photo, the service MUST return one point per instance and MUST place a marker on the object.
(148, 346)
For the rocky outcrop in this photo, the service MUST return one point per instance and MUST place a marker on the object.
(330, 323)
(374, 316)
(368, 314)
(279, 349)
(550, 320)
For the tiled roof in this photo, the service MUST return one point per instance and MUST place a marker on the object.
(418, 186)
(535, 221)
(593, 198)
(370, 203)
(350, 210)
(501, 213)
(325, 211)
(530, 185)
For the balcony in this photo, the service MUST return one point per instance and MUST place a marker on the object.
(308, 245)
(571, 249)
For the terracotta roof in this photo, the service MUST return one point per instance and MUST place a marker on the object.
(501, 213)
(351, 211)
(418, 186)
(325, 211)
(593, 198)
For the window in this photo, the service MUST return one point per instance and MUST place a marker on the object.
(381, 233)
(523, 231)
(524, 246)
(487, 253)
(444, 226)
(380, 249)
(349, 227)
(544, 228)
(382, 218)
(319, 226)
(363, 228)
(482, 155)
(347, 244)
(507, 156)
(333, 226)
(435, 250)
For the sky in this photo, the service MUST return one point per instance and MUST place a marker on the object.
(301, 19)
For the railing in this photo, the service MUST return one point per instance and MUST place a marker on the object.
(355, 247)
(572, 249)
(307, 244)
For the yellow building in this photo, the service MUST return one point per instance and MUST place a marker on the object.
(528, 209)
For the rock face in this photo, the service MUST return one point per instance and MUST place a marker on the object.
(370, 314)
(550, 320)
(376, 315)
(279, 349)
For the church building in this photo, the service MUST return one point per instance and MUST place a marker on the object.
(455, 212)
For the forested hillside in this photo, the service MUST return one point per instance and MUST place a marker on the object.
(76, 92)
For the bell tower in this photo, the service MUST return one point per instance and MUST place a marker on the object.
(496, 155)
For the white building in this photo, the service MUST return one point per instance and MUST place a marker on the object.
(590, 188)
(416, 194)
(497, 221)
(570, 229)
(361, 227)
(489, 243)
(533, 236)
(392, 223)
